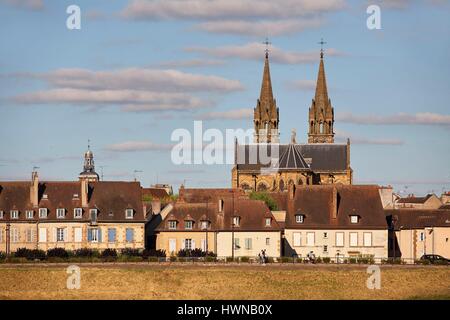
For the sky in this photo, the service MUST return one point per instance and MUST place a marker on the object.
(137, 70)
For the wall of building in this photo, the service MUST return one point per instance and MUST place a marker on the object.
(164, 238)
(325, 245)
(44, 236)
(258, 243)
(414, 243)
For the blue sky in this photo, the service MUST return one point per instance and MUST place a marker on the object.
(137, 70)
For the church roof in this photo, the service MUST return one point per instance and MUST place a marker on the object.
(266, 107)
(320, 156)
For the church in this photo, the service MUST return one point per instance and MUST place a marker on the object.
(319, 161)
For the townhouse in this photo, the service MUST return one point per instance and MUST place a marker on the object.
(335, 221)
(72, 215)
(223, 221)
(415, 232)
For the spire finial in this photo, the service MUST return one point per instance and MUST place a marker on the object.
(89, 144)
(321, 47)
(267, 43)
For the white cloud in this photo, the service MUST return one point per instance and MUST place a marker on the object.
(130, 100)
(220, 9)
(138, 79)
(303, 85)
(136, 146)
(192, 63)
(260, 28)
(26, 4)
(237, 114)
(342, 136)
(254, 51)
(423, 118)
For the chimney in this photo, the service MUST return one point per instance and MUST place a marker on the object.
(156, 206)
(34, 189)
(84, 192)
(334, 204)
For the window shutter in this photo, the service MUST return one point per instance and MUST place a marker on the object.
(65, 234)
(89, 235)
(55, 238)
(193, 244)
(77, 235)
(183, 242)
(203, 245)
(42, 235)
(297, 239)
(250, 243)
(99, 235)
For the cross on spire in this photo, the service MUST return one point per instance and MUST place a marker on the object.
(89, 144)
(321, 47)
(267, 43)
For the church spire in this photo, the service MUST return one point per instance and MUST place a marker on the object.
(88, 166)
(321, 113)
(266, 112)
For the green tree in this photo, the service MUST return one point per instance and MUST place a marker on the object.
(270, 202)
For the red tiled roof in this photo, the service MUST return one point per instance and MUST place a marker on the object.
(417, 218)
(155, 193)
(413, 199)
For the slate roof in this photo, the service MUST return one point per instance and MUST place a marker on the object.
(110, 198)
(418, 219)
(324, 156)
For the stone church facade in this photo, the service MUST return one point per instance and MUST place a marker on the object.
(268, 165)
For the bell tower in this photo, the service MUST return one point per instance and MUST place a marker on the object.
(321, 113)
(266, 118)
(88, 173)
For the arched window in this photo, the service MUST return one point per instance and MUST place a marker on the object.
(321, 128)
(262, 187)
(281, 185)
(245, 186)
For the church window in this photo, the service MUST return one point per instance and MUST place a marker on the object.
(281, 185)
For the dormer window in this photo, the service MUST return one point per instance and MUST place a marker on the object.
(268, 222)
(236, 221)
(75, 195)
(43, 213)
(93, 215)
(354, 219)
(172, 224)
(45, 196)
(29, 214)
(299, 218)
(129, 214)
(221, 205)
(77, 213)
(1, 214)
(14, 214)
(60, 213)
(188, 224)
(205, 225)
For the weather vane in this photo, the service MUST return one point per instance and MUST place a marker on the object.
(267, 43)
(321, 47)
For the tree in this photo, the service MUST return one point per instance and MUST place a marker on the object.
(263, 196)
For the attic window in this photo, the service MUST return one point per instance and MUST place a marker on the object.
(129, 214)
(188, 225)
(236, 221)
(75, 195)
(78, 213)
(30, 214)
(1, 214)
(44, 196)
(60, 213)
(268, 222)
(299, 218)
(172, 224)
(221, 205)
(14, 214)
(354, 219)
(42, 213)
(205, 225)
(93, 213)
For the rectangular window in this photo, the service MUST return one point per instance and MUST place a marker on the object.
(42, 213)
(422, 236)
(1, 214)
(236, 221)
(325, 249)
(172, 225)
(29, 214)
(1, 235)
(268, 222)
(78, 234)
(353, 239)
(325, 235)
(248, 243)
(30, 235)
(299, 218)
(236, 244)
(188, 244)
(94, 235)
(339, 239)
(367, 239)
(129, 234)
(14, 235)
(60, 234)
(129, 214)
(112, 235)
(42, 235)
(354, 219)
(310, 239)
(60, 213)
(93, 214)
(188, 225)
(14, 214)
(267, 241)
(297, 239)
(204, 225)
(78, 213)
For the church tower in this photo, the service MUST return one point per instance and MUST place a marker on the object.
(321, 113)
(266, 117)
(88, 173)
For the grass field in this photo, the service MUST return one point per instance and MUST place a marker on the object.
(142, 281)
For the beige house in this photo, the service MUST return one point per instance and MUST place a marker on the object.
(213, 220)
(419, 232)
(430, 201)
(335, 221)
(81, 214)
